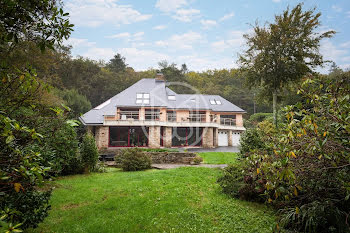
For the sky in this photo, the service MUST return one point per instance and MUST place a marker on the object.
(203, 34)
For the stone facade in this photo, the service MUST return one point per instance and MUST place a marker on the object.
(154, 137)
(208, 139)
(167, 140)
(229, 135)
(102, 136)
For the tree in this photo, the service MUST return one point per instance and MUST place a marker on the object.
(283, 52)
(21, 168)
(43, 22)
(117, 64)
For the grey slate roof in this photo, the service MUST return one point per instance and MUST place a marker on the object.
(158, 98)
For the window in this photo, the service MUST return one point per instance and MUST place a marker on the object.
(193, 100)
(215, 102)
(171, 97)
(142, 98)
(171, 116)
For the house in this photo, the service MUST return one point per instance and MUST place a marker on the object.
(149, 114)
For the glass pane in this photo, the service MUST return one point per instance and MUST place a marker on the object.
(145, 101)
(139, 101)
(139, 96)
(171, 97)
(118, 136)
(212, 102)
(218, 102)
(146, 96)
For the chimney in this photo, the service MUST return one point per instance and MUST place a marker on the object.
(160, 77)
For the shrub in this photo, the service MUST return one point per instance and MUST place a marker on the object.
(303, 169)
(232, 180)
(89, 152)
(134, 159)
(197, 160)
(29, 208)
(261, 116)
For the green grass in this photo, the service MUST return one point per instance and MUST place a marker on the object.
(218, 157)
(186, 199)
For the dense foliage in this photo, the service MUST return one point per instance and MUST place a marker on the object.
(304, 168)
(24, 97)
(134, 160)
(89, 152)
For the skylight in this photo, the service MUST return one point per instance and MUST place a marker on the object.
(218, 102)
(171, 97)
(103, 104)
(213, 102)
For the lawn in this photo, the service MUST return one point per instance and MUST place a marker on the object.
(218, 157)
(185, 199)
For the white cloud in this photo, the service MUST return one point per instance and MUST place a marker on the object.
(201, 63)
(76, 42)
(120, 35)
(337, 8)
(142, 59)
(99, 53)
(95, 13)
(235, 41)
(186, 15)
(176, 10)
(159, 27)
(182, 41)
(331, 52)
(170, 5)
(127, 36)
(206, 24)
(226, 17)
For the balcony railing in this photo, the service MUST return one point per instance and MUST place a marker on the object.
(152, 116)
(228, 121)
(197, 117)
(171, 117)
(127, 115)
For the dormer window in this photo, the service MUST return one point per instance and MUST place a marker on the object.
(142, 98)
(171, 97)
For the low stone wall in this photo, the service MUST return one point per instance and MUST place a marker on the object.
(171, 157)
(163, 157)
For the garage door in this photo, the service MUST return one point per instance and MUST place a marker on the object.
(223, 138)
(235, 138)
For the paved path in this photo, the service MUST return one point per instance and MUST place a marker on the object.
(170, 166)
(217, 149)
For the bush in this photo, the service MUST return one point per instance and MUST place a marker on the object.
(89, 152)
(29, 208)
(261, 116)
(197, 160)
(134, 159)
(303, 169)
(250, 140)
(232, 180)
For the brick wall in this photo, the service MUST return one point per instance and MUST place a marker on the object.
(239, 120)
